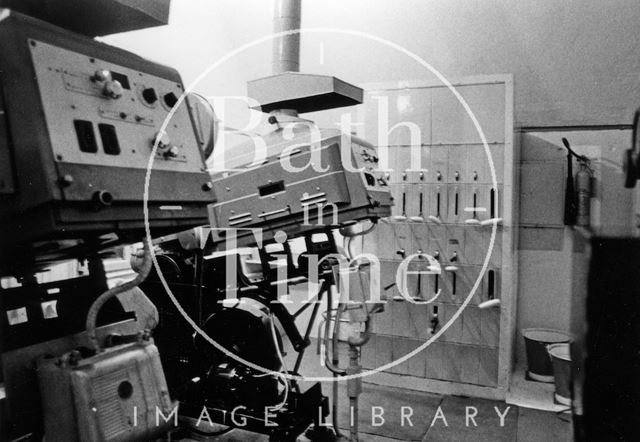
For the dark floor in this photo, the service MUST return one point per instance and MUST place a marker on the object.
(520, 424)
(426, 422)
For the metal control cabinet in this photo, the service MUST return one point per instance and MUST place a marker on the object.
(447, 206)
(79, 119)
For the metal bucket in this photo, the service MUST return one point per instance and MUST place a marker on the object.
(536, 340)
(561, 361)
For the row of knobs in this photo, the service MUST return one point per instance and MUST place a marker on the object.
(438, 176)
(113, 89)
(164, 145)
(436, 255)
(110, 88)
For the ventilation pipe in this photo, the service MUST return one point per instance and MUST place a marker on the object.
(286, 48)
(286, 92)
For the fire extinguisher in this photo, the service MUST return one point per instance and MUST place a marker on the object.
(583, 191)
(578, 190)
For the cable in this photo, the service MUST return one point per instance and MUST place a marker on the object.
(92, 315)
(321, 324)
(284, 366)
(348, 248)
(348, 237)
(329, 364)
(328, 361)
(353, 431)
(345, 231)
(353, 343)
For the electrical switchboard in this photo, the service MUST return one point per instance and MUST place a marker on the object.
(453, 200)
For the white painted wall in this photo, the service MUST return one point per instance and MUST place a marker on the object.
(545, 244)
(575, 62)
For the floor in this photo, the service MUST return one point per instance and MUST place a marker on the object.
(460, 419)
(394, 414)
(431, 417)
(531, 394)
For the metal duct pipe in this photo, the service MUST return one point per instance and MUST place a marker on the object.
(286, 49)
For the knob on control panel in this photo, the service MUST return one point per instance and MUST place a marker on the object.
(172, 152)
(149, 95)
(100, 76)
(110, 88)
(163, 140)
(170, 99)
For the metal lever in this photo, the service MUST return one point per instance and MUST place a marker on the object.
(434, 323)
(419, 218)
(490, 221)
(490, 303)
(402, 217)
(452, 268)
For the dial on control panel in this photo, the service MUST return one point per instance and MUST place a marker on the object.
(110, 88)
(149, 95)
(163, 141)
(170, 99)
(165, 148)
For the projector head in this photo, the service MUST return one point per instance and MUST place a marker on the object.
(297, 179)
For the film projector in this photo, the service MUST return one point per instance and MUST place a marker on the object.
(270, 230)
(78, 123)
(273, 225)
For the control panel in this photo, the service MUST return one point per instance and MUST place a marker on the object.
(79, 122)
(104, 114)
(366, 159)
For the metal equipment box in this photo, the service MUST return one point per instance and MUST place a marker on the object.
(330, 181)
(96, 17)
(78, 120)
(118, 395)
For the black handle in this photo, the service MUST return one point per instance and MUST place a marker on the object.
(288, 324)
(570, 203)
(634, 130)
(568, 147)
